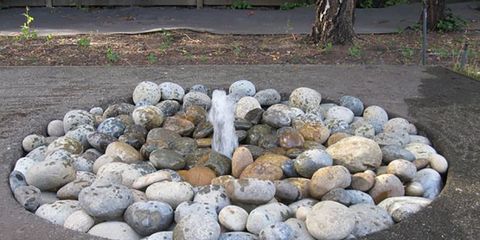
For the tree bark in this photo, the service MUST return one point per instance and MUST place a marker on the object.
(435, 13)
(334, 22)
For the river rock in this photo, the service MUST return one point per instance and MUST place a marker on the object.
(363, 181)
(114, 230)
(240, 160)
(118, 109)
(166, 158)
(125, 152)
(149, 217)
(420, 139)
(169, 107)
(112, 127)
(420, 150)
(314, 132)
(369, 219)
(431, 182)
(265, 215)
(393, 152)
(328, 178)
(171, 91)
(50, 174)
(165, 235)
(65, 143)
(219, 163)
(214, 195)
(172, 193)
(233, 218)
(147, 92)
(352, 103)
(339, 195)
(55, 128)
(438, 163)
(308, 162)
(28, 196)
(305, 98)
(396, 125)
(337, 126)
(24, 164)
(179, 125)
(72, 189)
(237, 236)
(187, 208)
(263, 171)
(149, 117)
(299, 229)
(100, 141)
(105, 200)
(330, 220)
(306, 202)
(242, 88)
(400, 138)
(197, 98)
(356, 153)
(58, 211)
(268, 97)
(292, 189)
(401, 208)
(199, 176)
(376, 116)
(276, 119)
(340, 113)
(79, 221)
(276, 231)
(75, 118)
(421, 163)
(16, 179)
(357, 197)
(403, 169)
(250, 191)
(386, 185)
(198, 227)
(33, 141)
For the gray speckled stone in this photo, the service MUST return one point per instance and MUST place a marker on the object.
(199, 88)
(237, 236)
(65, 143)
(171, 91)
(148, 116)
(310, 161)
(245, 105)
(276, 231)
(369, 219)
(299, 229)
(33, 141)
(376, 116)
(340, 113)
(169, 107)
(148, 92)
(149, 217)
(267, 214)
(330, 220)
(268, 97)
(337, 126)
(105, 201)
(276, 119)
(401, 208)
(172, 193)
(214, 195)
(100, 141)
(166, 158)
(242, 88)
(393, 152)
(55, 128)
(250, 190)
(50, 174)
(79, 221)
(75, 118)
(80, 134)
(114, 230)
(356, 153)
(197, 227)
(111, 126)
(305, 98)
(353, 103)
(58, 211)
(188, 207)
(28, 197)
(197, 98)
(165, 235)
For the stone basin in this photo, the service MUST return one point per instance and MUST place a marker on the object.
(441, 103)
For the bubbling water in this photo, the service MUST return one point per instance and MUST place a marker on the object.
(222, 117)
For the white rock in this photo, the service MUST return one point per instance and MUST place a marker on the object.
(114, 230)
(233, 218)
(340, 113)
(438, 163)
(147, 92)
(58, 211)
(147, 180)
(330, 220)
(401, 208)
(79, 221)
(265, 215)
(245, 105)
(171, 91)
(299, 229)
(356, 153)
(172, 193)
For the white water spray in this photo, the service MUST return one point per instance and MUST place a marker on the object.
(222, 117)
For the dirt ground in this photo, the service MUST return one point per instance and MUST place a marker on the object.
(187, 47)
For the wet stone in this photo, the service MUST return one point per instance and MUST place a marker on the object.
(148, 116)
(250, 191)
(196, 114)
(118, 109)
(290, 138)
(149, 217)
(111, 126)
(179, 125)
(199, 176)
(197, 98)
(135, 140)
(169, 107)
(276, 119)
(199, 88)
(263, 171)
(219, 163)
(254, 116)
(165, 158)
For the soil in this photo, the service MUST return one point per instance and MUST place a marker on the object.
(187, 47)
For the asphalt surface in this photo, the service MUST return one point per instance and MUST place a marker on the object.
(133, 20)
(443, 104)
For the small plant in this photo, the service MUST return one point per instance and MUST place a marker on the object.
(151, 58)
(27, 32)
(355, 51)
(112, 56)
(49, 37)
(167, 41)
(236, 49)
(291, 5)
(366, 4)
(241, 4)
(451, 23)
(327, 48)
(389, 3)
(83, 42)
(407, 52)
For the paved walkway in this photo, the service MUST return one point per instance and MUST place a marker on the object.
(68, 21)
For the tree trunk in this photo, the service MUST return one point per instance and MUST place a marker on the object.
(334, 22)
(435, 13)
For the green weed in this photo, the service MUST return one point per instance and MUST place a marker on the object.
(26, 31)
(241, 4)
(152, 58)
(355, 51)
(112, 56)
(83, 42)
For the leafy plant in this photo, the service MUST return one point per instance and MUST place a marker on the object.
(27, 32)
(389, 3)
(451, 23)
(151, 58)
(355, 51)
(241, 4)
(407, 52)
(366, 4)
(236, 49)
(112, 56)
(327, 48)
(49, 37)
(167, 41)
(83, 42)
(291, 5)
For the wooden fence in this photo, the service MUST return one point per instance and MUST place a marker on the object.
(91, 3)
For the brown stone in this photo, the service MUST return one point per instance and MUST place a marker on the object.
(240, 160)
(222, 180)
(421, 163)
(272, 158)
(337, 137)
(199, 176)
(195, 114)
(314, 132)
(386, 185)
(179, 125)
(363, 181)
(290, 138)
(125, 152)
(263, 171)
(204, 142)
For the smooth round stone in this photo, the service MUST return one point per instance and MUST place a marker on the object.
(203, 130)
(420, 150)
(196, 226)
(102, 160)
(403, 169)
(290, 138)
(276, 231)
(339, 195)
(197, 98)
(96, 111)
(162, 137)
(105, 201)
(242, 88)
(118, 109)
(58, 211)
(50, 174)
(28, 196)
(401, 208)
(431, 182)
(291, 189)
(304, 98)
(136, 140)
(328, 178)
(268, 97)
(80, 134)
(254, 116)
(233, 218)
(308, 118)
(75, 118)
(363, 181)
(33, 141)
(179, 125)
(386, 185)
(306, 202)
(166, 158)
(114, 230)
(420, 139)
(172, 193)
(237, 236)
(414, 189)
(337, 126)
(240, 160)
(166, 235)
(276, 119)
(72, 189)
(352, 103)
(299, 229)
(48, 197)
(269, 141)
(149, 217)
(169, 107)
(196, 114)
(245, 105)
(363, 129)
(222, 180)
(316, 132)
(112, 127)
(199, 88)
(16, 179)
(263, 171)
(125, 152)
(396, 138)
(219, 163)
(147, 92)
(148, 116)
(250, 191)
(171, 91)
(356, 153)
(23, 164)
(213, 195)
(369, 219)
(257, 132)
(55, 128)
(438, 163)
(340, 113)
(100, 141)
(330, 220)
(79, 221)
(357, 197)
(376, 116)
(308, 162)
(199, 176)
(147, 180)
(396, 125)
(242, 124)
(65, 143)
(265, 215)
(393, 152)
(187, 208)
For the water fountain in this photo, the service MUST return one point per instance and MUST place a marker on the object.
(222, 117)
